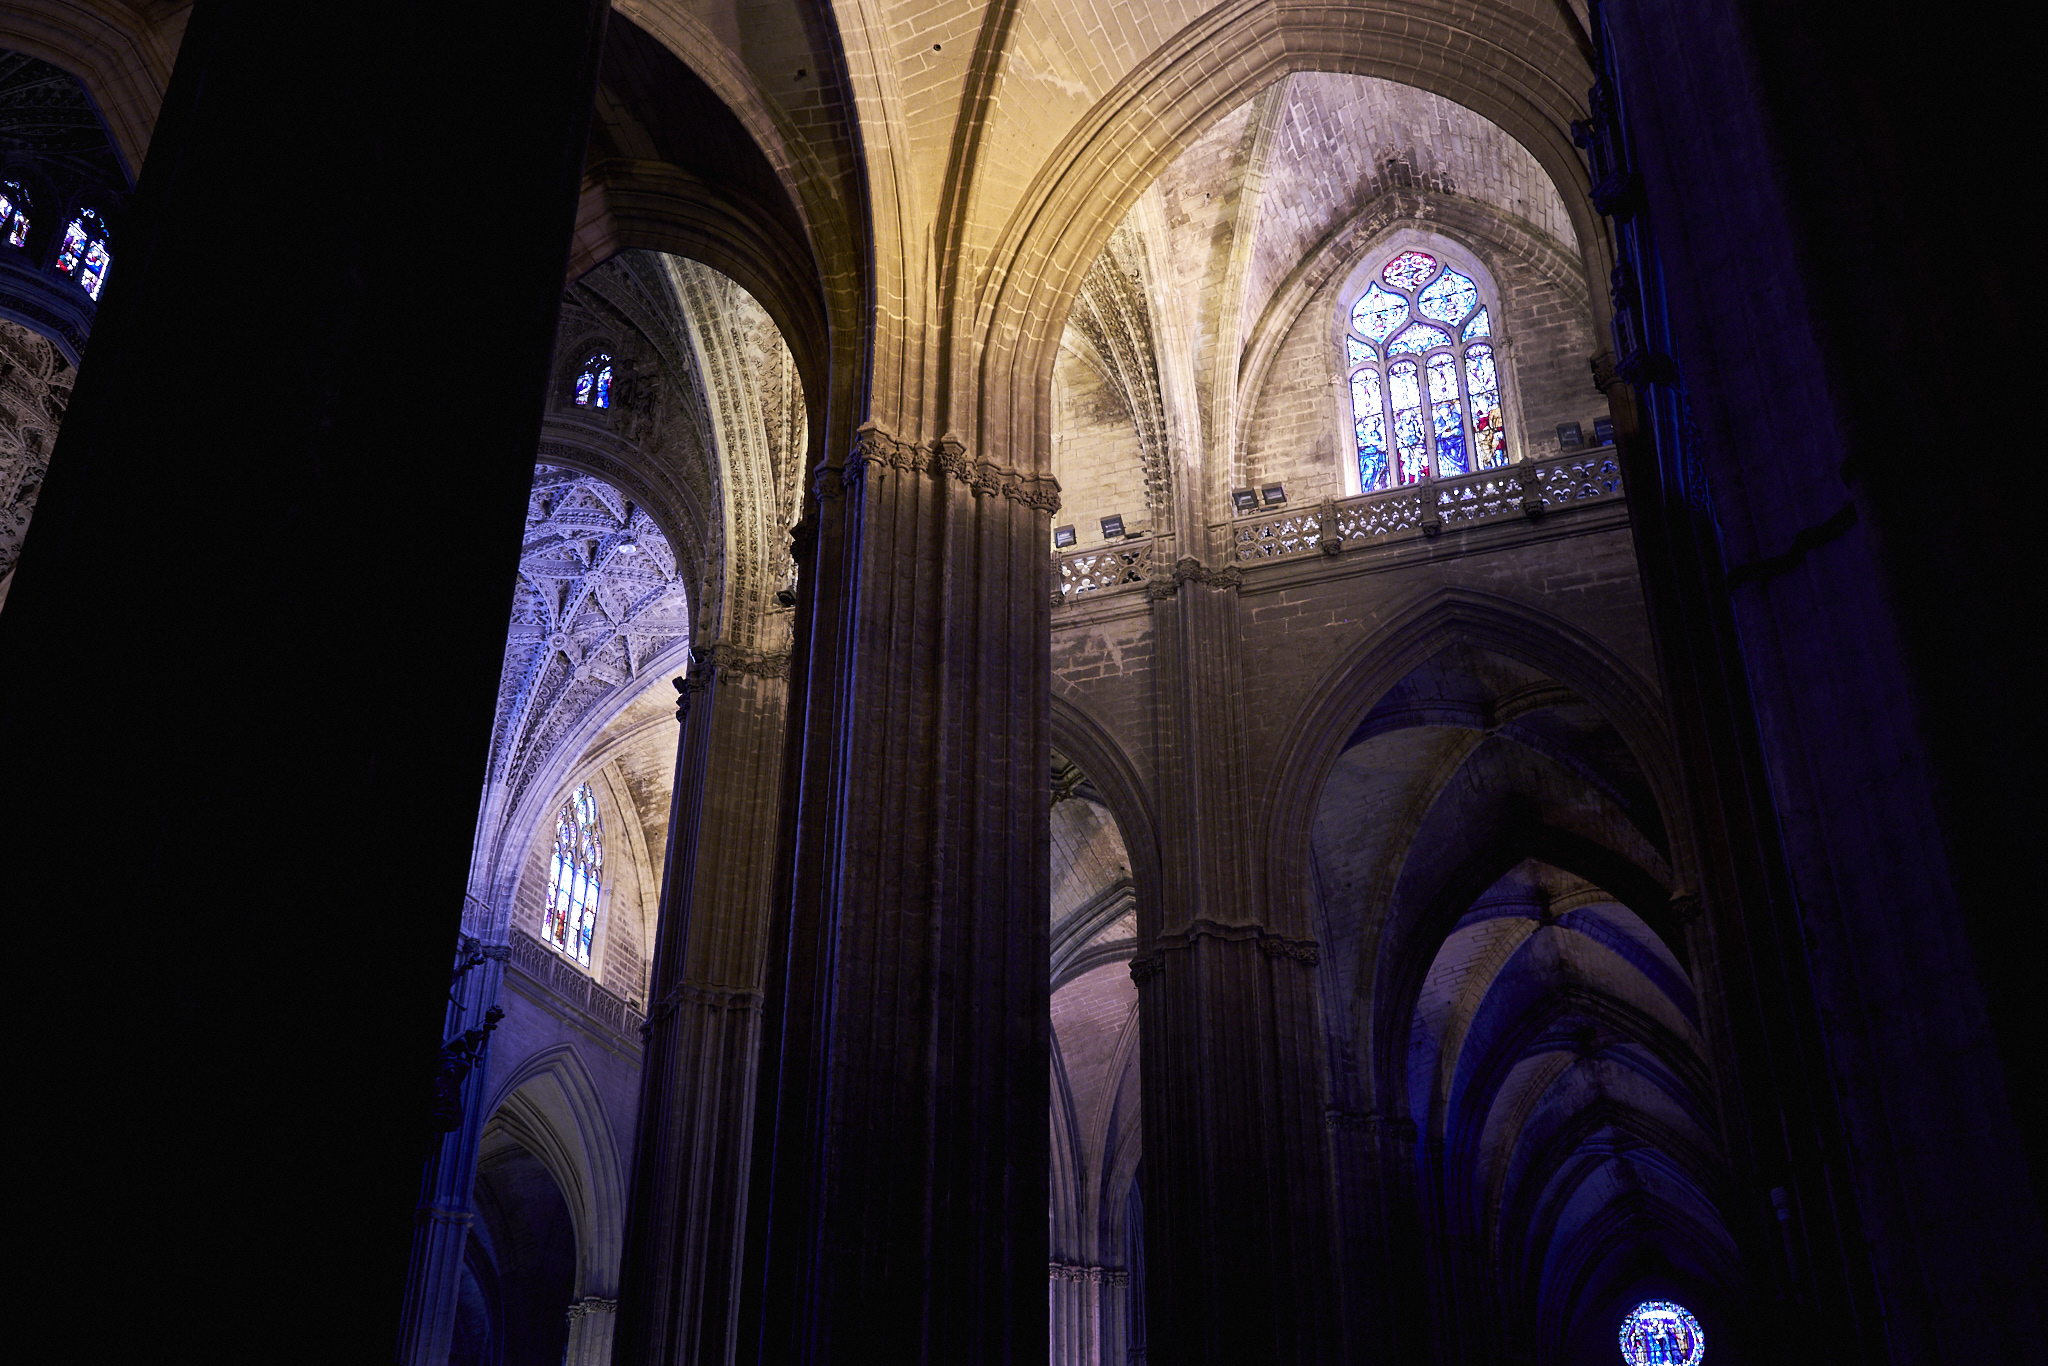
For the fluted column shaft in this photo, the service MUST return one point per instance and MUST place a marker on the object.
(681, 1263)
(901, 1173)
(1238, 1238)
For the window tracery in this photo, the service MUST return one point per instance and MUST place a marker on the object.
(14, 210)
(575, 877)
(594, 382)
(1662, 1333)
(84, 256)
(1425, 386)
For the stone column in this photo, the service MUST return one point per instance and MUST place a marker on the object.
(591, 1323)
(442, 1221)
(292, 478)
(1238, 1239)
(679, 1283)
(901, 1168)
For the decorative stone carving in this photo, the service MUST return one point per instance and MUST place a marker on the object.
(1191, 570)
(877, 452)
(35, 386)
(1084, 1273)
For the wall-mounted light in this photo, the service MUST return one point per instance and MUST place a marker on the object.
(1244, 500)
(1062, 537)
(1570, 436)
(1603, 431)
(1274, 494)
(1113, 527)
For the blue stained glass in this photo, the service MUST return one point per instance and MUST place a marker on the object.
(575, 876)
(1356, 350)
(1479, 326)
(1378, 312)
(1404, 386)
(1365, 393)
(13, 213)
(1447, 416)
(1449, 299)
(1409, 269)
(93, 274)
(1662, 1333)
(594, 383)
(1417, 338)
(1370, 427)
(1489, 424)
(73, 249)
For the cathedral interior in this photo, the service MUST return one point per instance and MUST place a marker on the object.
(1080, 681)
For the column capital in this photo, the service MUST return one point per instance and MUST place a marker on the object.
(877, 452)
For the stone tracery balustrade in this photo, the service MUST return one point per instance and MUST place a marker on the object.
(1090, 571)
(1528, 489)
(564, 979)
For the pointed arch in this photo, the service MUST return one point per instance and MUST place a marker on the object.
(551, 1106)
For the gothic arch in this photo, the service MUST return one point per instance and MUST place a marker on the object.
(1350, 687)
(121, 54)
(1210, 68)
(1081, 738)
(552, 1107)
(1476, 227)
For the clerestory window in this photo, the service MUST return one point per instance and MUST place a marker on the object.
(84, 256)
(594, 382)
(575, 877)
(13, 213)
(1425, 388)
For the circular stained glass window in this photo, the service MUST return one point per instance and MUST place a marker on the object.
(1661, 1333)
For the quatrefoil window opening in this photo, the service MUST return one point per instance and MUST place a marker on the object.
(1425, 385)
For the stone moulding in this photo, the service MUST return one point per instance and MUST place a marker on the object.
(1145, 967)
(875, 452)
(1086, 1273)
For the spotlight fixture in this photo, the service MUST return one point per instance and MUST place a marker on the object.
(1570, 436)
(1113, 527)
(786, 596)
(1244, 500)
(1062, 537)
(1603, 431)
(628, 548)
(1274, 494)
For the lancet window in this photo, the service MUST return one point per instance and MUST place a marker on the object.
(575, 876)
(594, 382)
(84, 256)
(13, 213)
(1425, 386)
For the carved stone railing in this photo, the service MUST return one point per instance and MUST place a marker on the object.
(1524, 490)
(564, 980)
(1096, 571)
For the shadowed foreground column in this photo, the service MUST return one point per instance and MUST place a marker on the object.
(679, 1282)
(290, 489)
(899, 1208)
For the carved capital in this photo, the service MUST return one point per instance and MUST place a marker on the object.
(1685, 908)
(1159, 590)
(1144, 968)
(592, 1304)
(737, 659)
(1304, 951)
(1188, 569)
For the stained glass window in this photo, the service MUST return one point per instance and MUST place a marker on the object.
(594, 383)
(13, 213)
(84, 255)
(576, 876)
(1429, 404)
(1662, 1333)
